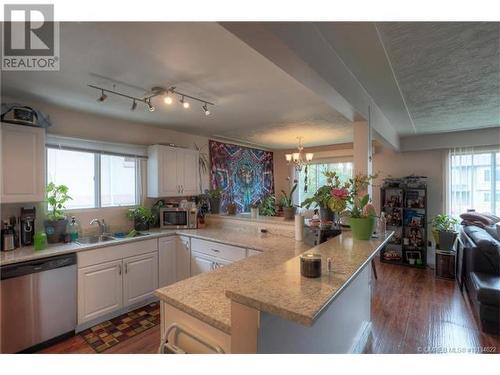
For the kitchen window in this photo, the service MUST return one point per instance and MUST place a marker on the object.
(308, 184)
(473, 181)
(95, 179)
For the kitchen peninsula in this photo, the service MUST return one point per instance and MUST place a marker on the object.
(261, 304)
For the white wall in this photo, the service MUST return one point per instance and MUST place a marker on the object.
(84, 125)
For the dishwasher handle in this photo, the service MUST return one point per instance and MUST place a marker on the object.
(34, 266)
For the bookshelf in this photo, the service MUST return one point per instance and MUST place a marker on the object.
(404, 202)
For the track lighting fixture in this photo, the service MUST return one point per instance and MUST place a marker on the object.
(103, 96)
(206, 110)
(168, 97)
(185, 104)
(150, 106)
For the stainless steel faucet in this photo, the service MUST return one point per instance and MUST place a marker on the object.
(101, 224)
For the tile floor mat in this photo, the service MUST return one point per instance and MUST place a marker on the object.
(107, 334)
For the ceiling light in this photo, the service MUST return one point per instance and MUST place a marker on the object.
(185, 104)
(134, 106)
(168, 99)
(299, 159)
(205, 108)
(150, 106)
(288, 157)
(102, 97)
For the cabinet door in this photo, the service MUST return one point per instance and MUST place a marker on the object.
(140, 278)
(183, 258)
(190, 167)
(167, 261)
(200, 263)
(23, 164)
(99, 290)
(169, 179)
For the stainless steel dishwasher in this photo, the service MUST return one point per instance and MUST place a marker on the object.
(37, 302)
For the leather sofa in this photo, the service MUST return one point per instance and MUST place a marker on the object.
(481, 275)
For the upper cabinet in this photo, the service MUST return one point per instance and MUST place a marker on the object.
(172, 172)
(23, 163)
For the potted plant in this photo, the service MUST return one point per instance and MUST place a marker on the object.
(268, 206)
(214, 197)
(142, 217)
(56, 222)
(321, 198)
(286, 201)
(444, 231)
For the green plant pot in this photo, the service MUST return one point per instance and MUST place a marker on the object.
(362, 228)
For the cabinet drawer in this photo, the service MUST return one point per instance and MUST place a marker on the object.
(218, 250)
(114, 252)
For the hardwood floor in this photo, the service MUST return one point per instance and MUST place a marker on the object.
(412, 311)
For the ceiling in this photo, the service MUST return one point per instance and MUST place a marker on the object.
(255, 101)
(425, 78)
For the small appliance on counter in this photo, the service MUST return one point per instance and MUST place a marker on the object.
(8, 237)
(178, 218)
(27, 231)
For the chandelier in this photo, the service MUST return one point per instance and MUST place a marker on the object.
(299, 159)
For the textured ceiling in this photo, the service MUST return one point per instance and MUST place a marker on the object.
(449, 73)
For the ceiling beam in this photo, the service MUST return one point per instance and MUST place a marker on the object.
(299, 49)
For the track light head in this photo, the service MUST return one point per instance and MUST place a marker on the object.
(168, 99)
(206, 110)
(103, 97)
(134, 106)
(185, 104)
(150, 106)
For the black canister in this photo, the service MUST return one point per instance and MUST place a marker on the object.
(310, 265)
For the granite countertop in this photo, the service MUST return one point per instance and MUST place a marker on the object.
(27, 253)
(270, 281)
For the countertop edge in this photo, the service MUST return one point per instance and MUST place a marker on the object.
(293, 316)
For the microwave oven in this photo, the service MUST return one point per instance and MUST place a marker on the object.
(178, 218)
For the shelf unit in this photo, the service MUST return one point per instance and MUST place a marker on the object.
(405, 208)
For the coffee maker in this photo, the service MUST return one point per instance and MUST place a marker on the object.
(27, 231)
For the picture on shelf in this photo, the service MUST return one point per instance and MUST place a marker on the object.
(415, 199)
(414, 237)
(393, 217)
(413, 218)
(413, 257)
(393, 198)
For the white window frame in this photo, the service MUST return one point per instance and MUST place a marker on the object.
(87, 147)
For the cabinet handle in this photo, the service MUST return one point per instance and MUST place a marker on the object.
(212, 265)
(119, 269)
(126, 267)
(215, 250)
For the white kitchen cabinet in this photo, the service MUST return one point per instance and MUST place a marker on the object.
(140, 277)
(172, 172)
(201, 263)
(174, 260)
(23, 164)
(99, 290)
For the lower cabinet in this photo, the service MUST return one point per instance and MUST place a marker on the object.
(99, 290)
(201, 263)
(174, 260)
(140, 278)
(113, 283)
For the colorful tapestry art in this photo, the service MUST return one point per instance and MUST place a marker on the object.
(244, 174)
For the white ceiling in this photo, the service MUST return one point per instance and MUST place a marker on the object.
(427, 77)
(255, 101)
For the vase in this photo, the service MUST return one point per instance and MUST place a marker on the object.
(447, 240)
(362, 228)
(55, 230)
(214, 205)
(325, 214)
(254, 213)
(289, 213)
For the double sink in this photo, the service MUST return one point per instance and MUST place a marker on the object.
(104, 238)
